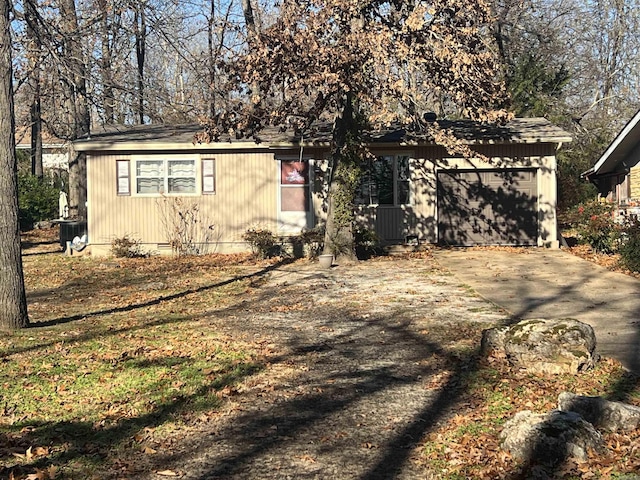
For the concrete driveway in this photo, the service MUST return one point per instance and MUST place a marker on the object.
(542, 283)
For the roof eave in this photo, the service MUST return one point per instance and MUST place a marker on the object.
(95, 146)
(631, 126)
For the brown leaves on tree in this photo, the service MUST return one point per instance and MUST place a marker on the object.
(398, 59)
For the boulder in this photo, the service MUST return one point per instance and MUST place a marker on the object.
(601, 413)
(550, 438)
(543, 346)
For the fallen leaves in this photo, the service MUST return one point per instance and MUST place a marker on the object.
(119, 373)
(103, 372)
(167, 473)
(307, 458)
(51, 472)
(467, 443)
(608, 261)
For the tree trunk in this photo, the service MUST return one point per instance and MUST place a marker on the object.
(249, 19)
(105, 64)
(141, 50)
(212, 60)
(338, 238)
(36, 132)
(76, 85)
(34, 51)
(13, 301)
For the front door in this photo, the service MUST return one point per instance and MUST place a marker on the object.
(294, 197)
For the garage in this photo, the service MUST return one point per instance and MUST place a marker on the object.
(487, 207)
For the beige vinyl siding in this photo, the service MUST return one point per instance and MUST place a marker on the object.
(634, 180)
(421, 219)
(245, 196)
(247, 184)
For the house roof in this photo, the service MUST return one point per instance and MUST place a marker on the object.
(23, 139)
(181, 137)
(619, 150)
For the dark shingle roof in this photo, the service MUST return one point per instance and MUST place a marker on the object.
(519, 130)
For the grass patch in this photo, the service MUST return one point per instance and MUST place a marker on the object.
(110, 365)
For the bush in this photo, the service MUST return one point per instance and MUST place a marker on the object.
(630, 247)
(366, 242)
(37, 200)
(189, 231)
(313, 240)
(126, 247)
(262, 242)
(596, 226)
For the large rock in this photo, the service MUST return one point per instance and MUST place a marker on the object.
(543, 346)
(601, 413)
(550, 438)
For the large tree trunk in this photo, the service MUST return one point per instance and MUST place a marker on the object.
(78, 107)
(13, 300)
(338, 238)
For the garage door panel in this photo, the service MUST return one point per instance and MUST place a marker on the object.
(487, 207)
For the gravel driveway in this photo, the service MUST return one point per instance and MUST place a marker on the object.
(361, 362)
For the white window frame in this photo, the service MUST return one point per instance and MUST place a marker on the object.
(396, 181)
(123, 177)
(166, 159)
(208, 175)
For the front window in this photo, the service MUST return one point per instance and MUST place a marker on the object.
(385, 181)
(165, 176)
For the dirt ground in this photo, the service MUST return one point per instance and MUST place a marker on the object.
(362, 361)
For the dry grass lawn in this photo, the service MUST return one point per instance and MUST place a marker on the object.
(122, 361)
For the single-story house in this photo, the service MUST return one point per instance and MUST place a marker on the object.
(617, 171)
(503, 193)
(55, 151)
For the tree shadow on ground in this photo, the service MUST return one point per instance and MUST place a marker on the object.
(72, 440)
(358, 372)
(38, 254)
(353, 374)
(134, 306)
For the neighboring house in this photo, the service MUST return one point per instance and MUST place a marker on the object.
(139, 177)
(617, 172)
(55, 155)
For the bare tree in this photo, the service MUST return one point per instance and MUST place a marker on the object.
(34, 56)
(13, 302)
(106, 36)
(74, 76)
(582, 74)
(140, 29)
